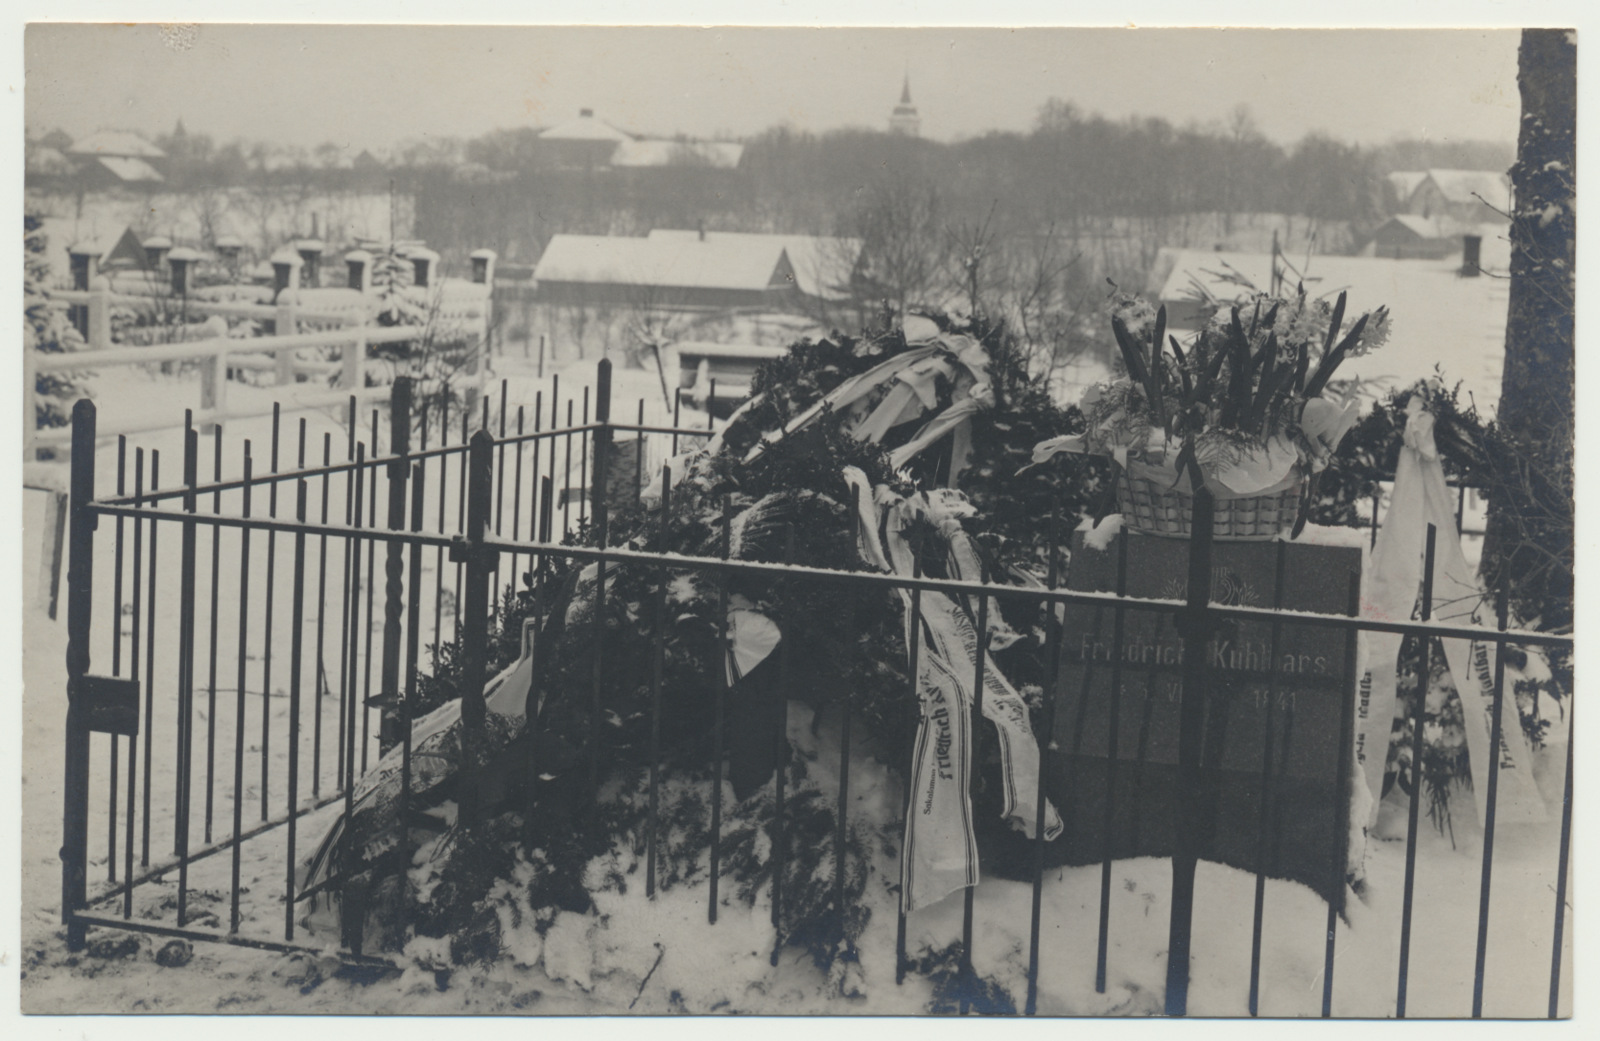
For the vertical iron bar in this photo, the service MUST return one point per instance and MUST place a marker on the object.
(461, 522)
(480, 463)
(114, 774)
(133, 656)
(1114, 724)
(150, 666)
(780, 772)
(677, 404)
(516, 501)
(846, 712)
(419, 474)
(602, 442)
(583, 464)
(1279, 561)
(322, 610)
(981, 641)
(133, 672)
(566, 479)
(438, 552)
(352, 514)
(1196, 623)
(394, 564)
(1338, 854)
(719, 681)
(80, 604)
(913, 654)
(211, 645)
(372, 616)
(1423, 682)
(353, 562)
(1561, 872)
(191, 478)
(267, 619)
(657, 665)
(239, 710)
(296, 662)
(1495, 737)
(638, 458)
(1046, 727)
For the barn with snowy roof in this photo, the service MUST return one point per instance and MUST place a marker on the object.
(118, 157)
(1464, 196)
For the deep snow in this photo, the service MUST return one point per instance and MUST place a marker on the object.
(656, 957)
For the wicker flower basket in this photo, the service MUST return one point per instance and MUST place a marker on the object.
(1153, 504)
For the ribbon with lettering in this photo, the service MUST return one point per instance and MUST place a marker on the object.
(1420, 498)
(940, 850)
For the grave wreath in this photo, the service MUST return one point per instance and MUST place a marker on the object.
(925, 413)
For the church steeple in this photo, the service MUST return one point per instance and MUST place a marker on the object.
(904, 119)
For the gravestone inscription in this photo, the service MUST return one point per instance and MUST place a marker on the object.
(1278, 707)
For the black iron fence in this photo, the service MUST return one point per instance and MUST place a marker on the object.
(252, 686)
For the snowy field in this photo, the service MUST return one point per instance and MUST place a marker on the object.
(634, 955)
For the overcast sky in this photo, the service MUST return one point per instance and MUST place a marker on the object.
(371, 86)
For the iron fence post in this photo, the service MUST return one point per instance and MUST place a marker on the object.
(597, 497)
(394, 565)
(1196, 631)
(80, 597)
(475, 618)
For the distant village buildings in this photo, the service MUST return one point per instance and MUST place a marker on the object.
(1440, 210)
(590, 143)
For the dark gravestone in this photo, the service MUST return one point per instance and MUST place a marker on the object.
(1295, 693)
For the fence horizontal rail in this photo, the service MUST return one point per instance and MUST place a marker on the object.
(684, 562)
(205, 417)
(340, 397)
(222, 346)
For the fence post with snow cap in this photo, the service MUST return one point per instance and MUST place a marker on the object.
(286, 324)
(98, 331)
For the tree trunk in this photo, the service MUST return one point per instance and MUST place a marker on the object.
(1530, 542)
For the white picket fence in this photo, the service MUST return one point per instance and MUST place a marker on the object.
(463, 308)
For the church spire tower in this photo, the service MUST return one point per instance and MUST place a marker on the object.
(904, 119)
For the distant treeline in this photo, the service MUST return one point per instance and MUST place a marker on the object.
(507, 189)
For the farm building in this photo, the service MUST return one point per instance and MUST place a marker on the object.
(1464, 196)
(114, 157)
(603, 292)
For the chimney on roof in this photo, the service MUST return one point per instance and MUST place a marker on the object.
(585, 113)
(1471, 250)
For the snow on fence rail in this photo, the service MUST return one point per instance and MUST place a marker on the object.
(218, 355)
(303, 565)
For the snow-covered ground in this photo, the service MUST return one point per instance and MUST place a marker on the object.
(633, 954)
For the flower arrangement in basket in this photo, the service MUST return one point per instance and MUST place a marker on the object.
(1241, 411)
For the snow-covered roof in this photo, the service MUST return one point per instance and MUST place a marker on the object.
(1466, 186)
(1437, 316)
(116, 142)
(129, 169)
(719, 155)
(585, 128)
(822, 264)
(1424, 227)
(1405, 182)
(753, 262)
